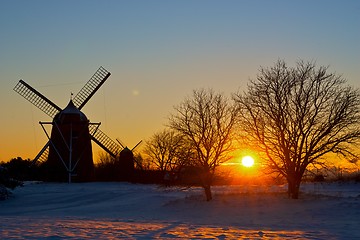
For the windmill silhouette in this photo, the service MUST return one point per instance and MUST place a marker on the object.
(68, 152)
(127, 161)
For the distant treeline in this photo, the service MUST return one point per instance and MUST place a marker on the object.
(24, 170)
(18, 170)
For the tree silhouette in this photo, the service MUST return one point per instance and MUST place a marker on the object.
(206, 120)
(298, 115)
(165, 150)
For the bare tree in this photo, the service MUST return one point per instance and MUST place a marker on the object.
(206, 120)
(297, 115)
(164, 150)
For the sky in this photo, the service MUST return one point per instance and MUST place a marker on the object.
(158, 52)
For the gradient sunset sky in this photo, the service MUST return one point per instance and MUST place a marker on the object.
(157, 52)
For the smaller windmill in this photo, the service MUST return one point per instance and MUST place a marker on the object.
(127, 161)
(68, 152)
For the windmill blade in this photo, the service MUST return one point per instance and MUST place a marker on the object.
(121, 143)
(95, 82)
(136, 145)
(36, 98)
(105, 142)
(42, 156)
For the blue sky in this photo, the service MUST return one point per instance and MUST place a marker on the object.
(157, 52)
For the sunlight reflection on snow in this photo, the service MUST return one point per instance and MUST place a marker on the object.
(49, 228)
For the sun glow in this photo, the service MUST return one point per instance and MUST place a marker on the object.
(247, 161)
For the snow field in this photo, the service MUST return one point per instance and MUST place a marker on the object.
(135, 211)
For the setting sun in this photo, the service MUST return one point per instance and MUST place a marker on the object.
(247, 161)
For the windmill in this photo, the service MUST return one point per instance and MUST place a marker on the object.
(127, 161)
(68, 151)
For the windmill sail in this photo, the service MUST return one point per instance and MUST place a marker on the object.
(95, 82)
(36, 98)
(109, 145)
(42, 156)
(136, 145)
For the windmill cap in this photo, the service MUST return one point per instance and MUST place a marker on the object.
(71, 110)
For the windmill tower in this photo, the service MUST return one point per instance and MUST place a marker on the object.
(126, 161)
(68, 152)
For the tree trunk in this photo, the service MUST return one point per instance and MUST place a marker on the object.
(208, 193)
(293, 187)
(206, 181)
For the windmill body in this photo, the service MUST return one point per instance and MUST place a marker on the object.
(71, 148)
(126, 162)
(68, 153)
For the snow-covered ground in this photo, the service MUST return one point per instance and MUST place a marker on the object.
(135, 211)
